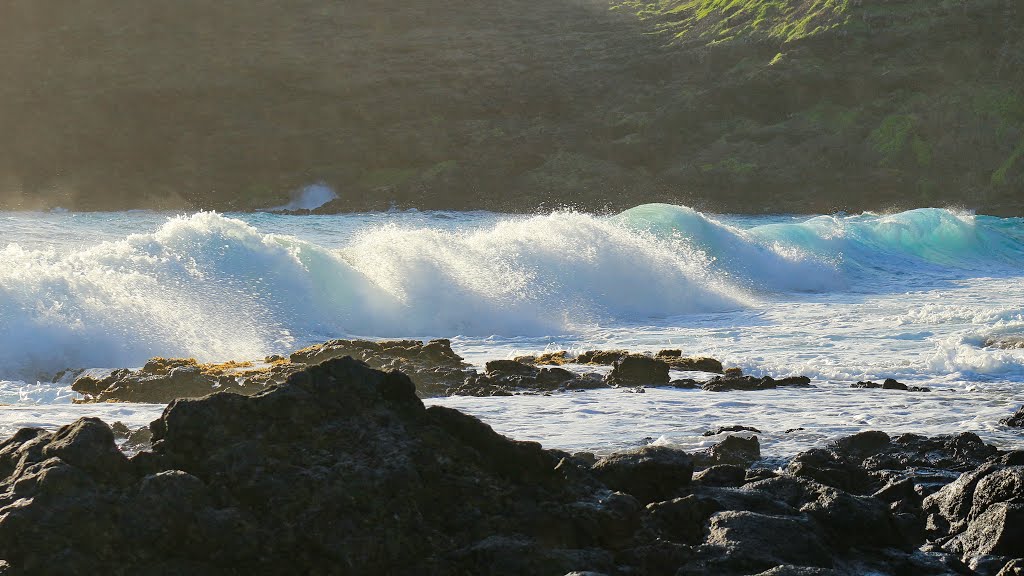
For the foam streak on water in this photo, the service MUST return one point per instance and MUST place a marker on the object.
(912, 295)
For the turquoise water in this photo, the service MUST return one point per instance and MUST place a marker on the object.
(912, 295)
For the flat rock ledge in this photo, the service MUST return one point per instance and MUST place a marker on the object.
(342, 470)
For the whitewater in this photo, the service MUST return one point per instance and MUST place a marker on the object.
(919, 296)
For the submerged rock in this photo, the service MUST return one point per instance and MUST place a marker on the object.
(750, 383)
(509, 377)
(890, 384)
(735, 428)
(1007, 342)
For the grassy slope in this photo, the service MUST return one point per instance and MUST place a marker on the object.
(854, 104)
(798, 105)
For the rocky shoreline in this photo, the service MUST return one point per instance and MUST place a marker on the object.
(436, 370)
(342, 470)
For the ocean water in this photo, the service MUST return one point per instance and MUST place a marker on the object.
(912, 295)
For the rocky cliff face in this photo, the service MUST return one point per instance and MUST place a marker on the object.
(759, 105)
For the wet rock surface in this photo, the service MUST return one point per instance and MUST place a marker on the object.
(342, 470)
(750, 383)
(890, 384)
(638, 370)
(1016, 420)
(433, 366)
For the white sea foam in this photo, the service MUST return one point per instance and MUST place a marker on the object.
(913, 296)
(309, 198)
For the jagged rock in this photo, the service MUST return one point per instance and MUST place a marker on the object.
(998, 530)
(890, 384)
(164, 379)
(721, 475)
(735, 428)
(733, 372)
(1015, 421)
(746, 542)
(983, 509)
(865, 462)
(698, 364)
(556, 358)
(685, 384)
(735, 450)
(342, 466)
(601, 357)
(88, 444)
(433, 365)
(93, 386)
(508, 377)
(133, 439)
(855, 521)
(505, 368)
(638, 370)
(750, 383)
(650, 473)
(681, 519)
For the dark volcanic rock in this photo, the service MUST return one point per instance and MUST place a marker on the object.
(650, 473)
(341, 467)
(865, 462)
(601, 357)
(983, 509)
(508, 377)
(722, 475)
(890, 384)
(735, 450)
(638, 370)
(735, 428)
(746, 542)
(342, 470)
(682, 519)
(675, 359)
(750, 383)
(506, 368)
(433, 365)
(1015, 421)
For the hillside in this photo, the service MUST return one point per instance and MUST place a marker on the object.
(730, 105)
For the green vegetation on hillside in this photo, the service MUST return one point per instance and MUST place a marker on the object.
(730, 105)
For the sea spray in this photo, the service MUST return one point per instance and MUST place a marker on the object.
(785, 292)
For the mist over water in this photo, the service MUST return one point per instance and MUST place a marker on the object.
(240, 287)
(913, 295)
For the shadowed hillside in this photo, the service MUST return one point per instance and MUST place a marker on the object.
(742, 105)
